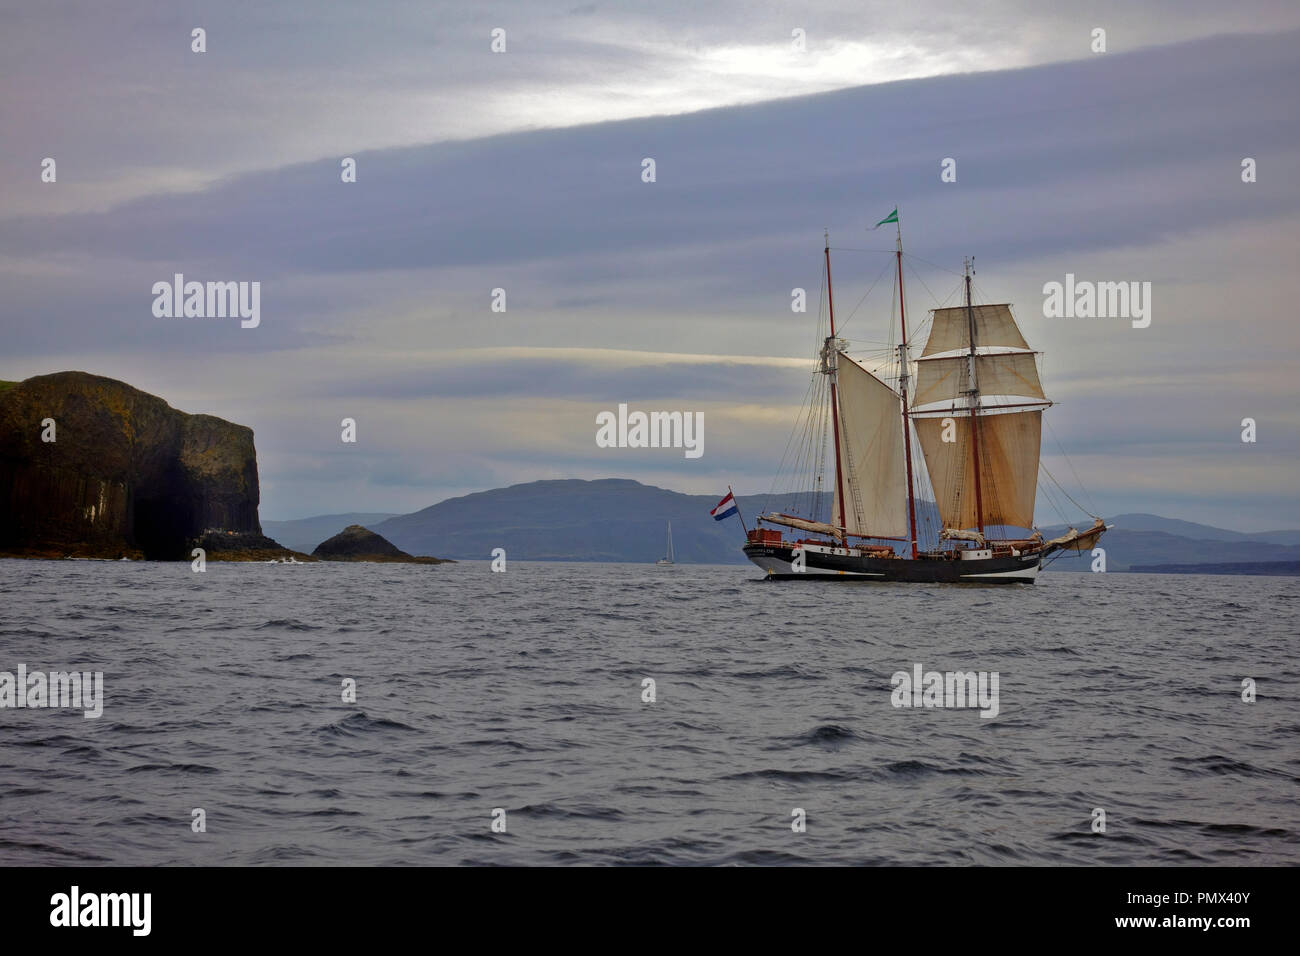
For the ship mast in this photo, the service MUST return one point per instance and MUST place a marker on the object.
(973, 392)
(835, 405)
(902, 387)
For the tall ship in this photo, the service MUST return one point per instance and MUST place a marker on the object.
(972, 405)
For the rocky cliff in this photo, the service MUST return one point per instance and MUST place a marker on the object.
(126, 474)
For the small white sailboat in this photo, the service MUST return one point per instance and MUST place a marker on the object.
(669, 558)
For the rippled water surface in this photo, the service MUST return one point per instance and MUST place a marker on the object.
(523, 691)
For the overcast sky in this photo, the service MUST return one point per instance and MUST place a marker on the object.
(522, 170)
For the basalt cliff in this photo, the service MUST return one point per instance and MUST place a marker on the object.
(91, 467)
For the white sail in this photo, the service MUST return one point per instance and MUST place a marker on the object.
(1001, 376)
(871, 455)
(668, 559)
(994, 326)
(1008, 411)
(1008, 452)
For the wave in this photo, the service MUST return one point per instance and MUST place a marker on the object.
(287, 624)
(360, 723)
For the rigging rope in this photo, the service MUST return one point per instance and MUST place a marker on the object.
(845, 323)
(1079, 484)
(1064, 492)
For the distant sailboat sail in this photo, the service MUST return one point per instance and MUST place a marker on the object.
(668, 558)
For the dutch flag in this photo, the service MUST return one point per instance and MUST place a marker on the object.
(725, 508)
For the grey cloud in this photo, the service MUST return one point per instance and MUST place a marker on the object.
(1121, 156)
(1070, 135)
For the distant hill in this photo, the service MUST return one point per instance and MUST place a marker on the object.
(611, 519)
(1125, 548)
(618, 519)
(1200, 532)
(306, 533)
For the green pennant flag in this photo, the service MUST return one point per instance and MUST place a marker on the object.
(892, 217)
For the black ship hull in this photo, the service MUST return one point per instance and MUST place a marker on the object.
(826, 562)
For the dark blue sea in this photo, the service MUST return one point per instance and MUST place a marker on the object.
(523, 692)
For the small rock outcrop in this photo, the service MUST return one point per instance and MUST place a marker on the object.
(246, 546)
(355, 543)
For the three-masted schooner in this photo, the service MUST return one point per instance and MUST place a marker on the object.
(975, 409)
